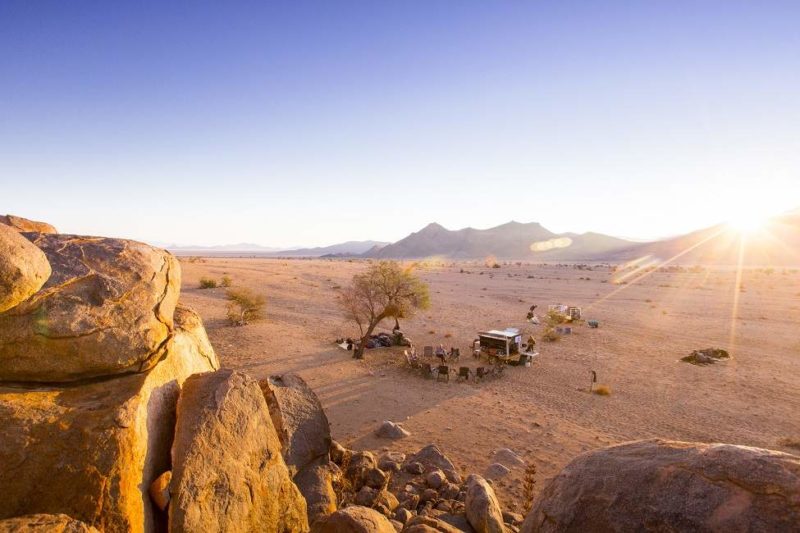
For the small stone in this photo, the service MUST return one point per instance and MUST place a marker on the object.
(391, 430)
(415, 468)
(435, 478)
(496, 471)
(375, 478)
(159, 490)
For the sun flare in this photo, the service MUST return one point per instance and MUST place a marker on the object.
(748, 222)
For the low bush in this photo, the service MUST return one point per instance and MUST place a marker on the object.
(551, 335)
(226, 281)
(245, 306)
(208, 283)
(602, 390)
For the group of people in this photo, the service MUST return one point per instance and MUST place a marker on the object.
(445, 355)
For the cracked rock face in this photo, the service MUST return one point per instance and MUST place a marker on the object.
(227, 470)
(672, 486)
(91, 450)
(23, 268)
(106, 309)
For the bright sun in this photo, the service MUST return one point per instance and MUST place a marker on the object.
(748, 222)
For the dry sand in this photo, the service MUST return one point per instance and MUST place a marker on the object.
(544, 412)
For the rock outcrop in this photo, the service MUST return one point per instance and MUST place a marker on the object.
(44, 523)
(23, 224)
(91, 450)
(672, 486)
(228, 473)
(23, 268)
(106, 309)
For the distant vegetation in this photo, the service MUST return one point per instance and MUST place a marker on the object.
(208, 283)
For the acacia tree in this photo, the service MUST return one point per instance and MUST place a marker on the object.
(385, 290)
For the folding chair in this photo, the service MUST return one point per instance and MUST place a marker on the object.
(427, 351)
(443, 373)
(480, 373)
(463, 373)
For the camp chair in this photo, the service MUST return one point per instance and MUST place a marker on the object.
(455, 353)
(463, 373)
(593, 323)
(499, 370)
(481, 373)
(427, 351)
(443, 373)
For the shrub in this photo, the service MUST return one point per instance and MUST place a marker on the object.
(554, 318)
(448, 335)
(226, 281)
(602, 390)
(208, 283)
(790, 443)
(551, 335)
(245, 306)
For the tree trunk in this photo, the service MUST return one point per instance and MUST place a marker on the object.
(358, 353)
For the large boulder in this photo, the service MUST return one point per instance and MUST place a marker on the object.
(92, 450)
(482, 508)
(23, 224)
(44, 523)
(23, 268)
(106, 309)
(227, 470)
(672, 486)
(299, 419)
(355, 519)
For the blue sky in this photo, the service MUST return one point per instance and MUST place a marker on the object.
(307, 123)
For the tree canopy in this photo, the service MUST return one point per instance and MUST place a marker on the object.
(385, 290)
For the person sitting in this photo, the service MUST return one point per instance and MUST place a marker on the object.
(441, 353)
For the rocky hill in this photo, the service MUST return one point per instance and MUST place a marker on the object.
(116, 416)
(776, 244)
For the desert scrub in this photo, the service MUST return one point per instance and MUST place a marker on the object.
(208, 283)
(551, 335)
(602, 390)
(226, 281)
(790, 443)
(244, 306)
(554, 318)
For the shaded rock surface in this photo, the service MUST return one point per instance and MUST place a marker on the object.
(228, 473)
(106, 309)
(299, 420)
(355, 519)
(92, 450)
(672, 486)
(44, 523)
(23, 268)
(23, 224)
(317, 483)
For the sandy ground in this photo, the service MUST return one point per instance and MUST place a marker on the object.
(543, 412)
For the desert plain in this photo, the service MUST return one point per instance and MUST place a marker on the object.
(544, 413)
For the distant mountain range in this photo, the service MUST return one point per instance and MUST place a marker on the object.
(777, 243)
(349, 248)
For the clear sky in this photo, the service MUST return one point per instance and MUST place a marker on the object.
(307, 123)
